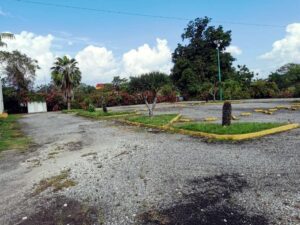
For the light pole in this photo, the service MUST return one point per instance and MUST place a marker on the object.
(219, 70)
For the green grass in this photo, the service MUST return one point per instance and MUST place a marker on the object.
(96, 114)
(235, 128)
(158, 120)
(11, 136)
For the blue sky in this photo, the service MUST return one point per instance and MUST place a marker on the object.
(73, 30)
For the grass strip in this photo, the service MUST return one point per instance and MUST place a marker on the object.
(235, 128)
(158, 120)
(96, 114)
(11, 136)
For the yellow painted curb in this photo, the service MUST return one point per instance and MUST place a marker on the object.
(272, 110)
(3, 115)
(234, 117)
(232, 137)
(176, 118)
(282, 107)
(210, 119)
(239, 137)
(246, 114)
(258, 110)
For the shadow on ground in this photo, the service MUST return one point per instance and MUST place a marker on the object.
(62, 210)
(208, 202)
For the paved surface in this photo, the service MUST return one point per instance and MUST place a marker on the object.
(133, 176)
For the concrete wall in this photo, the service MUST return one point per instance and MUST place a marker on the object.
(36, 107)
(1, 99)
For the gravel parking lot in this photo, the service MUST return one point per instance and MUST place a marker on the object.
(130, 175)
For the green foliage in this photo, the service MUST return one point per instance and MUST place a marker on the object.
(195, 62)
(11, 136)
(235, 128)
(151, 82)
(91, 108)
(66, 75)
(233, 90)
(19, 70)
(119, 83)
(287, 78)
(158, 120)
(5, 35)
(263, 89)
(167, 90)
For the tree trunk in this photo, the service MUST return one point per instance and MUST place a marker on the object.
(152, 106)
(69, 104)
(226, 117)
(104, 108)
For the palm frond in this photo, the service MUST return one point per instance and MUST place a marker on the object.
(7, 35)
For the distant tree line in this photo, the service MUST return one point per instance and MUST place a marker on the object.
(194, 76)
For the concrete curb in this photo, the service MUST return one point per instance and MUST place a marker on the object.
(238, 137)
(175, 119)
(3, 115)
(232, 137)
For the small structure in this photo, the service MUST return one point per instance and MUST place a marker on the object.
(99, 86)
(36, 107)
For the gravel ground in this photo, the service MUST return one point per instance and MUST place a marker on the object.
(129, 175)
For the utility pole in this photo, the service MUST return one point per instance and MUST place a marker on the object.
(219, 70)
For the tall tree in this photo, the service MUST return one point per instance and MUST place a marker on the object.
(195, 61)
(149, 84)
(286, 76)
(19, 74)
(19, 70)
(67, 76)
(3, 36)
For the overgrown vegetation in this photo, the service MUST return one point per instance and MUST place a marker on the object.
(95, 114)
(235, 128)
(11, 136)
(57, 182)
(158, 120)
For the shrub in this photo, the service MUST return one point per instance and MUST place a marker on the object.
(91, 108)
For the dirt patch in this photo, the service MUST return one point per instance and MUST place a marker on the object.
(74, 146)
(62, 210)
(208, 201)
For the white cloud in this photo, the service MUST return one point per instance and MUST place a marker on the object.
(97, 64)
(145, 59)
(286, 50)
(37, 47)
(234, 50)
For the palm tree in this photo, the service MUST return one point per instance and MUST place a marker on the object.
(3, 36)
(66, 75)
